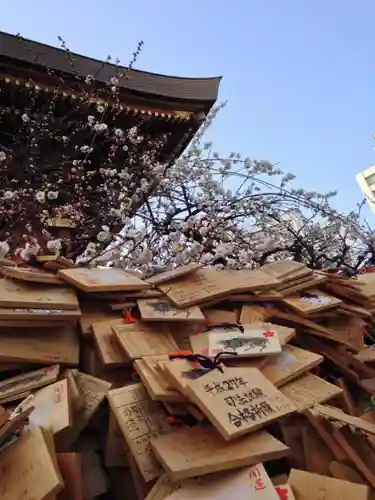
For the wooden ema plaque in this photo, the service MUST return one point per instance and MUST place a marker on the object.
(290, 364)
(248, 483)
(207, 284)
(44, 346)
(47, 316)
(110, 351)
(51, 408)
(218, 316)
(74, 394)
(140, 339)
(161, 309)
(311, 301)
(336, 414)
(31, 274)
(366, 355)
(254, 341)
(253, 314)
(198, 451)
(157, 279)
(163, 487)
(309, 390)
(179, 372)
(199, 343)
(285, 268)
(70, 465)
(27, 470)
(93, 392)
(94, 478)
(116, 449)
(181, 334)
(308, 486)
(348, 331)
(93, 311)
(4, 416)
(28, 381)
(102, 280)
(154, 381)
(25, 295)
(238, 400)
(140, 419)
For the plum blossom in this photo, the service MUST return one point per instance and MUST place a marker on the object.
(4, 249)
(8, 195)
(40, 196)
(30, 251)
(105, 177)
(100, 127)
(52, 195)
(54, 246)
(104, 235)
(89, 79)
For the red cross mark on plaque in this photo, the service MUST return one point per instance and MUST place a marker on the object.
(268, 334)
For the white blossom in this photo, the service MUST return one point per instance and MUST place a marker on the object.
(104, 236)
(3, 156)
(4, 249)
(100, 127)
(29, 251)
(8, 195)
(40, 196)
(52, 195)
(55, 245)
(86, 149)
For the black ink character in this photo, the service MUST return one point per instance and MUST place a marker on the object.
(248, 342)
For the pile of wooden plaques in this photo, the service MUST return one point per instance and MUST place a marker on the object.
(196, 383)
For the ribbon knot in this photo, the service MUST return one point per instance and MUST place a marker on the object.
(205, 362)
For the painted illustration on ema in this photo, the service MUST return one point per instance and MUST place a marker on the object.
(164, 308)
(254, 341)
(247, 343)
(312, 298)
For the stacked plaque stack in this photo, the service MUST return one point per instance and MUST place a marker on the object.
(198, 382)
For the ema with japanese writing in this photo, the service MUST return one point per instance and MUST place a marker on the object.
(238, 400)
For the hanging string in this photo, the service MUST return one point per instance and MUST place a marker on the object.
(205, 362)
(226, 326)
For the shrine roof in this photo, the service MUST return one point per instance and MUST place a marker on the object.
(203, 90)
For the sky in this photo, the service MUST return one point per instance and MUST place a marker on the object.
(298, 75)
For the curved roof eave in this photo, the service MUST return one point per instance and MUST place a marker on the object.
(29, 51)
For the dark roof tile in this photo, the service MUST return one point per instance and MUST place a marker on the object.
(195, 89)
